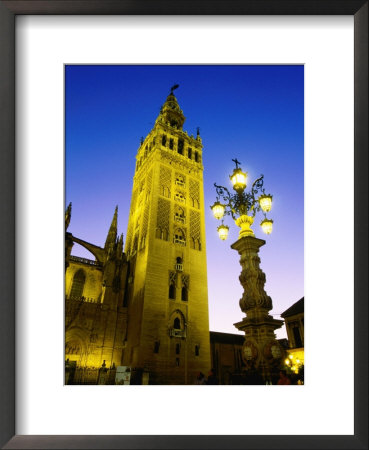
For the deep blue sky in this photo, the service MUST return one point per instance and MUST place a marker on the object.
(254, 113)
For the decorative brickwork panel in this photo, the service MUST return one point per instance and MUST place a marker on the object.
(165, 181)
(173, 278)
(145, 222)
(195, 233)
(148, 185)
(162, 219)
(194, 191)
(145, 219)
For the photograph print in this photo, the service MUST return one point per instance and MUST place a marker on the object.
(184, 225)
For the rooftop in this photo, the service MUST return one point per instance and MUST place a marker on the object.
(296, 308)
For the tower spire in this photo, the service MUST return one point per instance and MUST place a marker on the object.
(171, 113)
(112, 234)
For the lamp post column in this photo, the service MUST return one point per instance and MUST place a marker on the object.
(261, 351)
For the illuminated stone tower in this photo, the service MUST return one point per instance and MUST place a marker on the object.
(168, 324)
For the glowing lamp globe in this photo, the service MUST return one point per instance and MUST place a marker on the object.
(238, 179)
(267, 226)
(223, 232)
(265, 202)
(218, 210)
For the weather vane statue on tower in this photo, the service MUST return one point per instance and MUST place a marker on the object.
(173, 88)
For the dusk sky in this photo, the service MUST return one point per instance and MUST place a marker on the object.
(252, 113)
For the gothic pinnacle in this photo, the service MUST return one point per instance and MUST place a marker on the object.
(68, 215)
(112, 234)
(120, 246)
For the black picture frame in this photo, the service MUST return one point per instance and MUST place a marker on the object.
(8, 11)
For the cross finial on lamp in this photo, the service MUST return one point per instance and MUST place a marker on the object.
(236, 162)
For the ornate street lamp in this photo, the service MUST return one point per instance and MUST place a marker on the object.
(243, 206)
(261, 351)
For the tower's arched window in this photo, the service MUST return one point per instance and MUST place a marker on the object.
(179, 215)
(179, 237)
(171, 143)
(190, 152)
(184, 295)
(196, 157)
(178, 349)
(165, 191)
(180, 180)
(180, 197)
(179, 264)
(195, 243)
(180, 146)
(172, 292)
(177, 324)
(78, 284)
(172, 285)
(197, 350)
(164, 140)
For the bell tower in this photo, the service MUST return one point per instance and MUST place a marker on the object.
(168, 323)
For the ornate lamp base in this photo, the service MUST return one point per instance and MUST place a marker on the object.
(245, 222)
(261, 350)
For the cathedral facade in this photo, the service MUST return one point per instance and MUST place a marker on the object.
(95, 302)
(147, 308)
